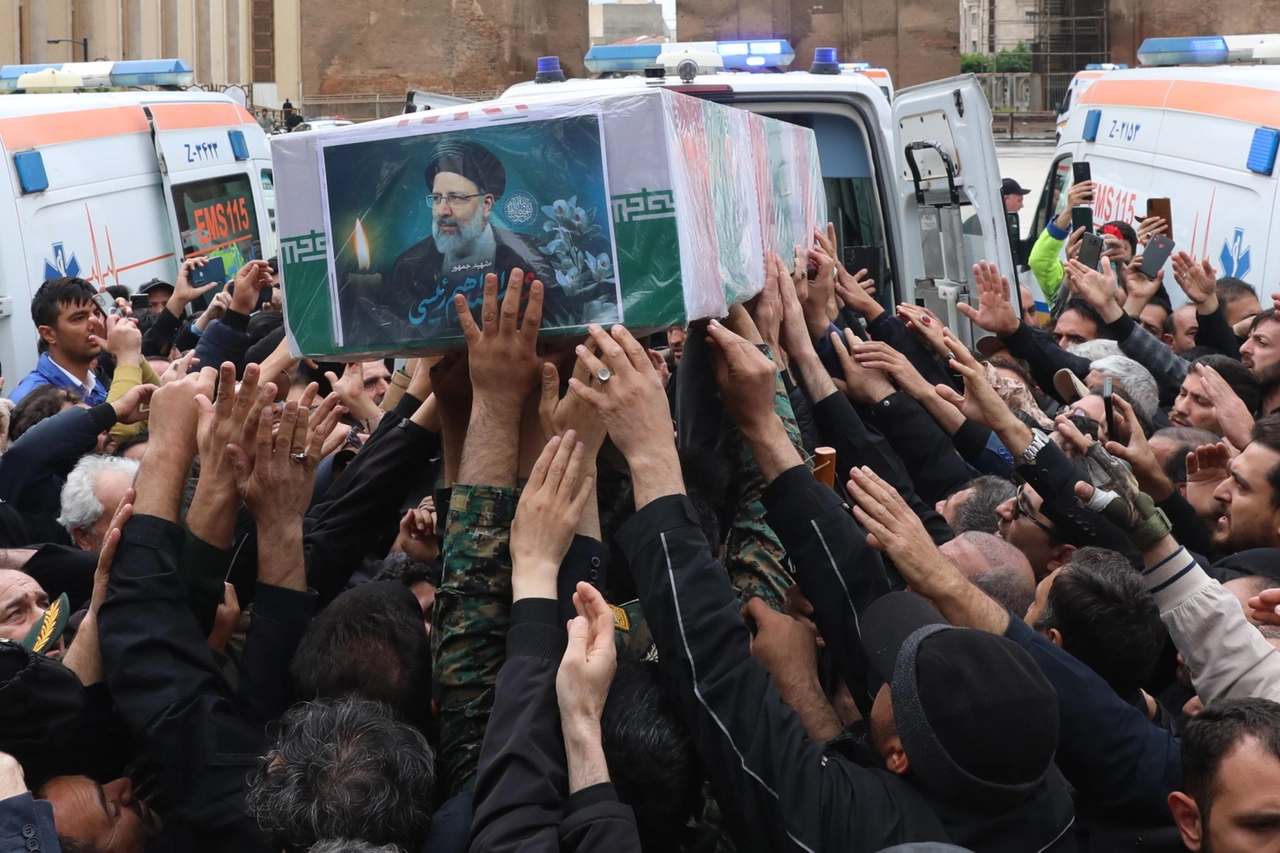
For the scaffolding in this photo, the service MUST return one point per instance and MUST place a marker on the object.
(1070, 34)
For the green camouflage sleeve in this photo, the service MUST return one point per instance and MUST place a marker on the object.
(469, 625)
(753, 555)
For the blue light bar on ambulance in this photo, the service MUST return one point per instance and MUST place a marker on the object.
(1194, 50)
(1203, 50)
(740, 55)
(102, 75)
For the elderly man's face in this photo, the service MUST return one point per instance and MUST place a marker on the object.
(458, 217)
(22, 605)
(109, 488)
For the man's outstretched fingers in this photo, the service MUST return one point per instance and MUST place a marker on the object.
(631, 347)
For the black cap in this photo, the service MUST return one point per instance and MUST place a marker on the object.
(977, 718)
(148, 286)
(1011, 187)
(471, 160)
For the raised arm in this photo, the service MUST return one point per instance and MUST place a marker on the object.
(473, 602)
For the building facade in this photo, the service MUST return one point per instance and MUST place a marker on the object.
(626, 19)
(1013, 23)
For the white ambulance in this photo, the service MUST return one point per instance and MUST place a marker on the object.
(913, 183)
(118, 187)
(1193, 125)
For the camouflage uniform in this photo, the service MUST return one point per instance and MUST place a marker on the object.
(469, 626)
(752, 554)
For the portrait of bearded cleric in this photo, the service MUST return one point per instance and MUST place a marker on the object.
(437, 213)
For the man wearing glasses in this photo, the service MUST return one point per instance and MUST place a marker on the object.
(1023, 525)
(465, 180)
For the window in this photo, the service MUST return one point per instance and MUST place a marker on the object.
(974, 47)
(1030, 18)
(269, 196)
(1054, 198)
(217, 218)
(973, 19)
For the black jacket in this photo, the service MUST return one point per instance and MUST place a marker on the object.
(927, 452)
(857, 444)
(34, 468)
(361, 510)
(779, 789)
(167, 688)
(522, 781)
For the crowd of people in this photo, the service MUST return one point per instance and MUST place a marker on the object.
(611, 594)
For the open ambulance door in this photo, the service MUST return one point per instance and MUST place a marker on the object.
(212, 192)
(948, 203)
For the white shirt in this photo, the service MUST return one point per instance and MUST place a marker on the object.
(88, 389)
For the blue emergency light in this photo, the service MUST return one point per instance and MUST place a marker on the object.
(736, 55)
(1262, 152)
(123, 74)
(1184, 50)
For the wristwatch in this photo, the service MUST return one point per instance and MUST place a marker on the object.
(1038, 441)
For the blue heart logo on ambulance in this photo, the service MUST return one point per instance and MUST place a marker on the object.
(1235, 256)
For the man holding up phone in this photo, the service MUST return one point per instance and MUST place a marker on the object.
(1044, 260)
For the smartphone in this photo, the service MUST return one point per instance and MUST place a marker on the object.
(1080, 172)
(1162, 207)
(214, 269)
(869, 258)
(1156, 254)
(106, 303)
(141, 303)
(1109, 407)
(1091, 246)
(1082, 217)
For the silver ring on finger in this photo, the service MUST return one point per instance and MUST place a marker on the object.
(604, 374)
(298, 457)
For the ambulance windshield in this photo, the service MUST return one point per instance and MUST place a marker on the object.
(217, 218)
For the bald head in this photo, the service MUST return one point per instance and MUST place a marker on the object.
(995, 567)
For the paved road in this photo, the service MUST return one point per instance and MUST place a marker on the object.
(1027, 163)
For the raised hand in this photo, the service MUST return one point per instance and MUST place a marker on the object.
(1150, 227)
(1198, 281)
(417, 538)
(821, 289)
(558, 415)
(184, 292)
(1140, 288)
(1097, 287)
(550, 508)
(276, 481)
(123, 339)
(746, 376)
(350, 390)
(766, 308)
(1228, 408)
(924, 323)
(893, 528)
(877, 355)
(131, 407)
(980, 403)
(627, 392)
(502, 351)
(1074, 239)
(1131, 446)
(1207, 466)
(586, 670)
(1266, 607)
(862, 384)
(174, 412)
(995, 312)
(250, 280)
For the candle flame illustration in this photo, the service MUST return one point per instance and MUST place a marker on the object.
(362, 247)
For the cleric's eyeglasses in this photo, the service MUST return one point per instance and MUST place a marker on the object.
(1020, 508)
(453, 199)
